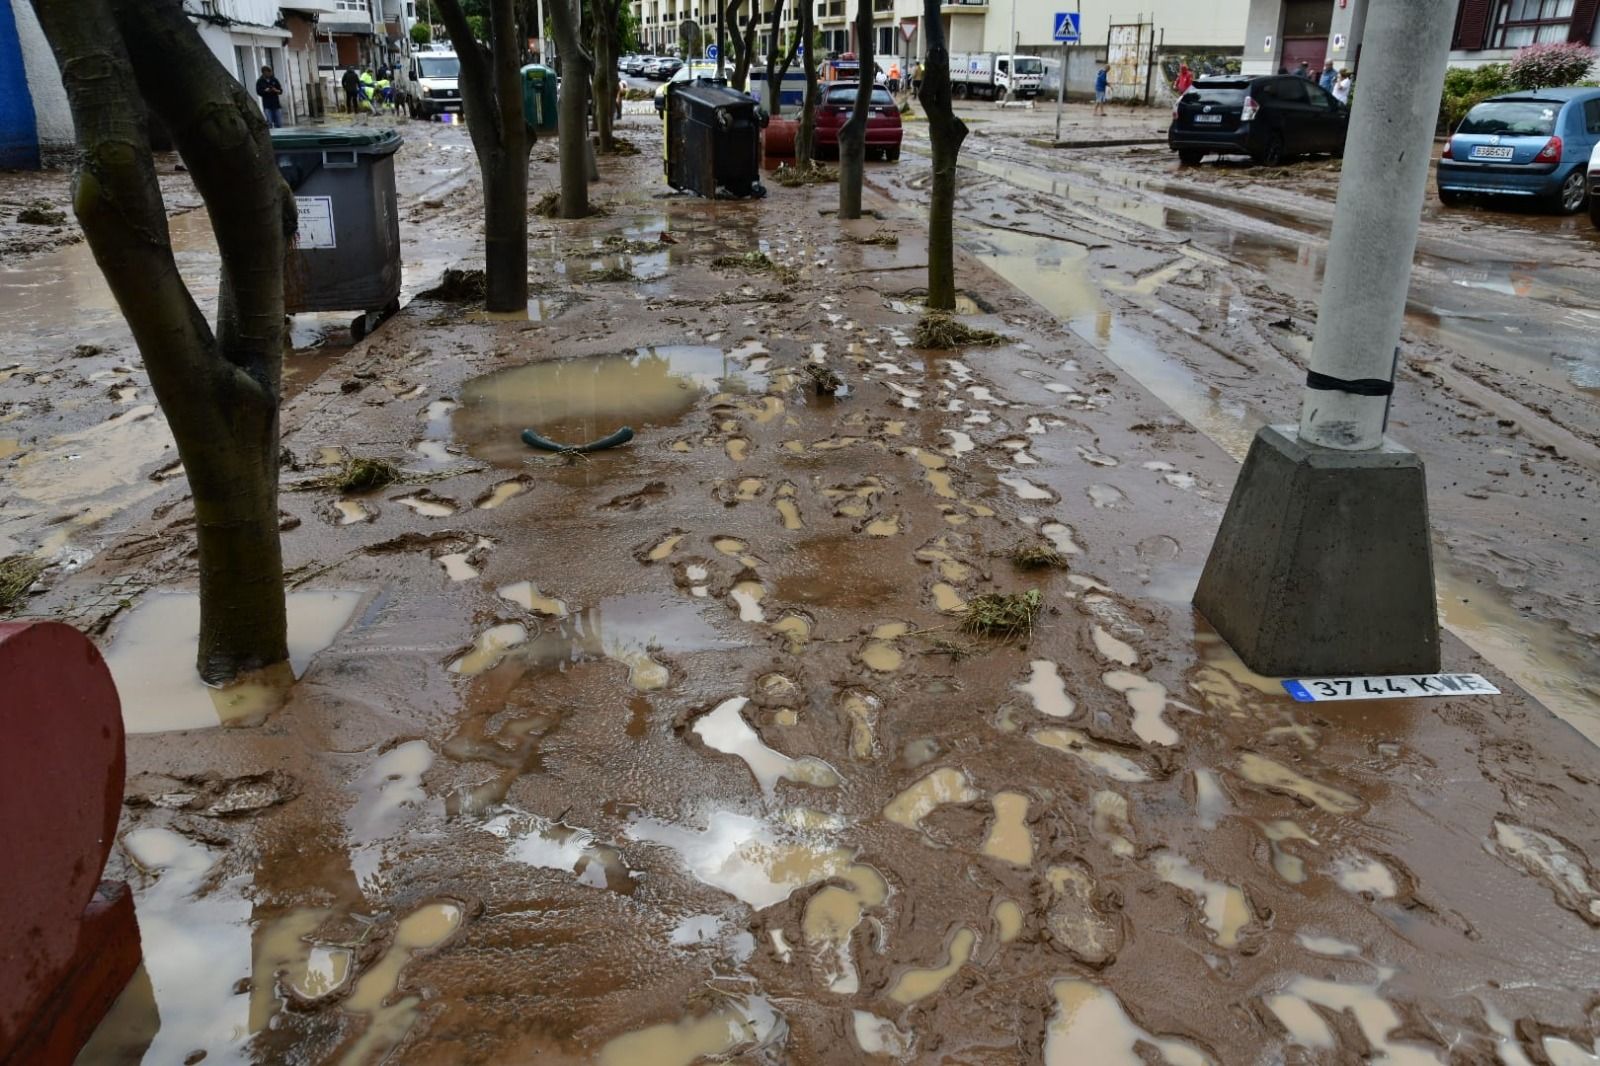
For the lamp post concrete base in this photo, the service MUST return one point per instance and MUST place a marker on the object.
(1323, 566)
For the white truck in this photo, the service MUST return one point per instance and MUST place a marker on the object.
(988, 76)
(431, 87)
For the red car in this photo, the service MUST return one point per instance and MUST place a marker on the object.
(883, 121)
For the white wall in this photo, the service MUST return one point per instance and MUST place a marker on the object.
(51, 115)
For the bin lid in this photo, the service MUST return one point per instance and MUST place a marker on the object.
(706, 94)
(366, 139)
(537, 70)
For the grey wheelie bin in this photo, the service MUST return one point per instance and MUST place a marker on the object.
(713, 142)
(346, 254)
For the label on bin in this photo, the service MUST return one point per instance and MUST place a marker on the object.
(315, 228)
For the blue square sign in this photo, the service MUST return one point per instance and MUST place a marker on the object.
(1066, 27)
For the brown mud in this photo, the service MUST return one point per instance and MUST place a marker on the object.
(677, 750)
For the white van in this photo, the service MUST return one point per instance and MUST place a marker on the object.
(988, 76)
(433, 87)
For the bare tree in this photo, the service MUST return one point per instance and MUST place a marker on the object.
(945, 132)
(805, 140)
(853, 135)
(744, 44)
(491, 95)
(573, 133)
(218, 389)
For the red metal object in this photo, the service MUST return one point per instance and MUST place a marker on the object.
(68, 942)
(779, 137)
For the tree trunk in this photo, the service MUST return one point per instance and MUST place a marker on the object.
(218, 390)
(945, 132)
(853, 137)
(744, 45)
(806, 139)
(491, 95)
(574, 123)
(774, 74)
(605, 71)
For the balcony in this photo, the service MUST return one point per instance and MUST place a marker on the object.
(964, 7)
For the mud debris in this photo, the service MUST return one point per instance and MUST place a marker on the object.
(1004, 615)
(940, 331)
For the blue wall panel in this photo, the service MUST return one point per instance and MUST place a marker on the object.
(19, 136)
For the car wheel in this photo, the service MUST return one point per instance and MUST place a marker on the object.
(893, 154)
(1190, 156)
(1569, 199)
(1271, 153)
(1450, 198)
(1594, 211)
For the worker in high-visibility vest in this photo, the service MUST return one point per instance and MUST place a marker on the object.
(369, 86)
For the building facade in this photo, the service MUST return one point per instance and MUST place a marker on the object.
(1491, 31)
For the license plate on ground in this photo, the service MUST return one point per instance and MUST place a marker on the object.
(1491, 151)
(1208, 118)
(1395, 687)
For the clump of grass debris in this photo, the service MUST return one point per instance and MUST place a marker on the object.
(1037, 557)
(458, 286)
(941, 330)
(823, 379)
(757, 263)
(1005, 615)
(606, 274)
(886, 238)
(361, 474)
(621, 146)
(40, 213)
(623, 246)
(548, 205)
(17, 575)
(805, 174)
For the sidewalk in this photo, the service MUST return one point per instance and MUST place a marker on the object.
(679, 749)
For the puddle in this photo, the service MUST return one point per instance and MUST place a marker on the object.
(832, 915)
(579, 400)
(1009, 839)
(1210, 802)
(746, 857)
(387, 1023)
(427, 505)
(1225, 908)
(914, 985)
(1148, 700)
(285, 957)
(1109, 819)
(1363, 875)
(879, 1036)
(506, 490)
(1374, 1017)
(1285, 864)
(625, 629)
(352, 512)
(537, 841)
(1262, 771)
(1047, 691)
(944, 785)
(742, 1021)
(725, 730)
(1090, 1025)
(526, 594)
(1109, 647)
(1025, 489)
(197, 945)
(1008, 919)
(1078, 745)
(152, 652)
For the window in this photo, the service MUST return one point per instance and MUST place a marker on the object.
(351, 5)
(1523, 22)
(1591, 115)
(1320, 100)
(1515, 118)
(886, 42)
(1289, 90)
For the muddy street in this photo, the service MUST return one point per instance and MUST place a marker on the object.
(682, 750)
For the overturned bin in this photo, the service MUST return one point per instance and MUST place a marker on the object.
(346, 254)
(713, 142)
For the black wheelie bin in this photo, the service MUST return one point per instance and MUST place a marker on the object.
(346, 253)
(713, 141)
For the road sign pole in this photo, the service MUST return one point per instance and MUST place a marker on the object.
(1061, 90)
(1068, 30)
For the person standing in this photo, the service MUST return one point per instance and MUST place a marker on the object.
(270, 90)
(894, 76)
(1185, 79)
(368, 86)
(1102, 85)
(1303, 70)
(1341, 88)
(352, 89)
(916, 80)
(1329, 76)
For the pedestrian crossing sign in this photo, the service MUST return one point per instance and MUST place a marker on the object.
(1066, 27)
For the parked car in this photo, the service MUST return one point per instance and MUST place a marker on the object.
(698, 68)
(662, 67)
(1268, 119)
(1594, 186)
(633, 66)
(1531, 144)
(884, 130)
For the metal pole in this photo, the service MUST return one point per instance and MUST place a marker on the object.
(722, 48)
(1061, 89)
(1375, 224)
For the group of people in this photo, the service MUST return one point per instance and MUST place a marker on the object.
(368, 91)
(1336, 82)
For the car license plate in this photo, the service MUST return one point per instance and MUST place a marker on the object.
(1208, 118)
(1407, 686)
(1491, 151)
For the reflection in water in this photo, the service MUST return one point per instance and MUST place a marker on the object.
(579, 400)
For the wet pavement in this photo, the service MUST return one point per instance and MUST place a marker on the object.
(678, 750)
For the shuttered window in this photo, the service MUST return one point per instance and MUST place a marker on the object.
(1472, 24)
(1583, 19)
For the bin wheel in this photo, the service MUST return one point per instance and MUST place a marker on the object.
(358, 327)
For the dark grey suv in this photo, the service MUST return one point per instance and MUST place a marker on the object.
(1268, 119)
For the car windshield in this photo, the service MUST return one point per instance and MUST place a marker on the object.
(439, 66)
(1029, 66)
(1520, 118)
(846, 94)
